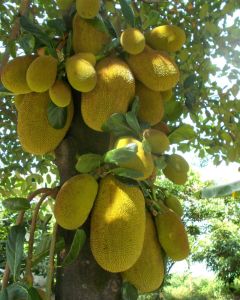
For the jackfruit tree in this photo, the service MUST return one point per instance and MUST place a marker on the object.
(98, 98)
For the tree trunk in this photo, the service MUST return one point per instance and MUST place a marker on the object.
(84, 279)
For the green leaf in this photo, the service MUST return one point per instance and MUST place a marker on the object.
(98, 23)
(133, 122)
(68, 48)
(108, 48)
(135, 105)
(88, 162)
(57, 116)
(16, 204)
(128, 173)
(117, 125)
(189, 81)
(160, 162)
(183, 133)
(127, 12)
(27, 42)
(16, 291)
(4, 295)
(110, 28)
(14, 249)
(221, 190)
(203, 11)
(58, 25)
(33, 294)
(129, 292)
(146, 146)
(121, 155)
(77, 244)
(151, 19)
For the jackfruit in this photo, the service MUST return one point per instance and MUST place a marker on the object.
(143, 161)
(166, 37)
(174, 204)
(176, 169)
(172, 234)
(88, 9)
(81, 74)
(175, 176)
(151, 109)
(35, 133)
(117, 225)
(14, 75)
(90, 57)
(167, 95)
(75, 200)
(132, 41)
(155, 70)
(148, 272)
(158, 140)
(86, 37)
(114, 91)
(64, 4)
(60, 93)
(162, 127)
(18, 99)
(42, 73)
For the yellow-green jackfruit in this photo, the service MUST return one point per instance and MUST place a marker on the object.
(90, 57)
(18, 99)
(143, 161)
(42, 73)
(75, 200)
(117, 225)
(174, 204)
(60, 93)
(176, 169)
(154, 69)
(81, 74)
(166, 37)
(35, 133)
(14, 75)
(88, 9)
(114, 91)
(148, 272)
(172, 234)
(64, 4)
(86, 37)
(132, 41)
(151, 108)
(158, 140)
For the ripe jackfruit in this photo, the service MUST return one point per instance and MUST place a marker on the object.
(174, 204)
(151, 108)
(148, 272)
(91, 58)
(60, 93)
(75, 200)
(166, 37)
(158, 140)
(81, 74)
(132, 41)
(143, 161)
(154, 69)
(86, 37)
(88, 9)
(176, 169)
(172, 234)
(18, 99)
(114, 90)
(42, 73)
(167, 95)
(64, 4)
(14, 75)
(35, 133)
(117, 225)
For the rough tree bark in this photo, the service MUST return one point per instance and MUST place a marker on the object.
(84, 279)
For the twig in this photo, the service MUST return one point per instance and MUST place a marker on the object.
(51, 263)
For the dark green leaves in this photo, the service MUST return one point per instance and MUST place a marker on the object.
(127, 12)
(129, 292)
(183, 133)
(77, 244)
(221, 190)
(127, 173)
(189, 81)
(16, 204)
(88, 162)
(14, 249)
(57, 116)
(121, 155)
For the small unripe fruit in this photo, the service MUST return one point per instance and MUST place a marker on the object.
(132, 41)
(174, 204)
(158, 141)
(60, 93)
(88, 9)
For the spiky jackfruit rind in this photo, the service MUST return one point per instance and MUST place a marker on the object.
(117, 225)
(60, 93)
(18, 100)
(158, 140)
(132, 41)
(87, 9)
(148, 271)
(172, 235)
(35, 133)
(113, 93)
(166, 37)
(175, 176)
(174, 204)
(81, 74)
(86, 37)
(142, 162)
(178, 162)
(42, 73)
(151, 106)
(75, 200)
(13, 76)
(155, 70)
